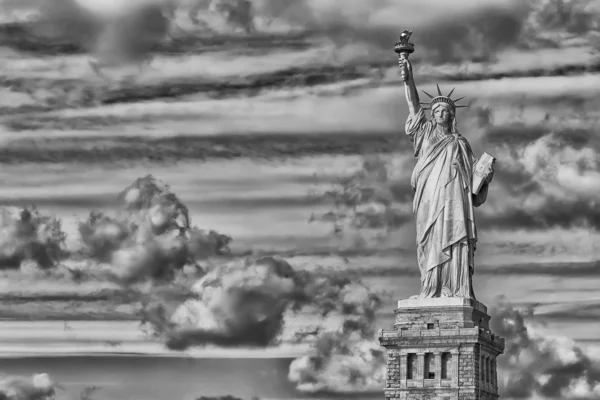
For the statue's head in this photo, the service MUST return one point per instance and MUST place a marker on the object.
(443, 109)
(443, 114)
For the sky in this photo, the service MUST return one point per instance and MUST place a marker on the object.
(245, 130)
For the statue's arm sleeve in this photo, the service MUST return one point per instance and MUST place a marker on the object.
(481, 197)
(416, 127)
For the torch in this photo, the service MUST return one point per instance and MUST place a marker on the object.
(403, 47)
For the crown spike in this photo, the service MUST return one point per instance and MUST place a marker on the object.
(452, 91)
(430, 96)
(439, 90)
(461, 106)
(459, 99)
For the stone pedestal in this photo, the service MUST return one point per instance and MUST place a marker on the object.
(441, 348)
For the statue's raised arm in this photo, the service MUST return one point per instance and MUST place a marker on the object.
(404, 48)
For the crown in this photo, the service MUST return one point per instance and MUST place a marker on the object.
(440, 98)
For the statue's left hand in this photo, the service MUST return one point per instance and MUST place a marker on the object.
(490, 174)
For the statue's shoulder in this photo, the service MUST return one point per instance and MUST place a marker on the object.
(428, 121)
(422, 117)
(463, 140)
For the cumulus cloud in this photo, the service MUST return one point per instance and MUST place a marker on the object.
(245, 303)
(348, 360)
(372, 199)
(38, 386)
(548, 176)
(28, 235)
(536, 364)
(149, 236)
(236, 305)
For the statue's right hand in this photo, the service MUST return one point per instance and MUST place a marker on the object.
(405, 69)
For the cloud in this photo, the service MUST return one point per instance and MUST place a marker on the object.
(60, 20)
(115, 34)
(574, 16)
(236, 305)
(28, 235)
(564, 269)
(578, 312)
(149, 236)
(443, 31)
(548, 176)
(245, 302)
(537, 364)
(348, 360)
(28, 388)
(119, 33)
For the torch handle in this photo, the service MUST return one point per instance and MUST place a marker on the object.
(405, 70)
(402, 58)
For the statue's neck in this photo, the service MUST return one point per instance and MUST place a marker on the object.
(443, 129)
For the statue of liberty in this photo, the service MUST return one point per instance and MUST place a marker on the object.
(443, 184)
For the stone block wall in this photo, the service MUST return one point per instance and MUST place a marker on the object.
(454, 335)
(442, 318)
(393, 369)
(475, 395)
(468, 367)
(440, 394)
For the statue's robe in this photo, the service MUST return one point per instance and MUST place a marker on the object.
(444, 209)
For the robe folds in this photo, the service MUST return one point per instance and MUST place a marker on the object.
(444, 209)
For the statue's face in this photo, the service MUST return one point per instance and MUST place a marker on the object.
(442, 115)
